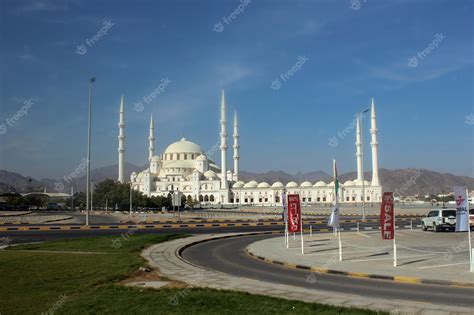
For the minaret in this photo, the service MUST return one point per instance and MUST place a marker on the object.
(236, 147)
(121, 144)
(223, 135)
(151, 139)
(358, 150)
(374, 144)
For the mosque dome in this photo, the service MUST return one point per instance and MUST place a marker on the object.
(263, 185)
(184, 146)
(238, 184)
(306, 184)
(358, 182)
(210, 174)
(349, 183)
(251, 184)
(278, 185)
(155, 159)
(291, 185)
(320, 184)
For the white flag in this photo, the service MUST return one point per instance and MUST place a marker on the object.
(334, 218)
(283, 201)
(462, 214)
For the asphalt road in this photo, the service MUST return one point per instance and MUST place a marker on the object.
(16, 237)
(229, 256)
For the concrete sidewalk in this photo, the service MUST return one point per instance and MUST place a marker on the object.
(424, 257)
(165, 257)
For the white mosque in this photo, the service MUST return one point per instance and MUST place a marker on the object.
(184, 167)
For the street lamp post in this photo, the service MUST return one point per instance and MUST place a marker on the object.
(89, 151)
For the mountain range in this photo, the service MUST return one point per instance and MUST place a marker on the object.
(404, 182)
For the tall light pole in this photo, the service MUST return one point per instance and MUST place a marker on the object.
(89, 152)
(360, 117)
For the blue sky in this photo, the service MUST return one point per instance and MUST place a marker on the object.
(354, 50)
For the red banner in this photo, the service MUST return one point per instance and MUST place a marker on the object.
(294, 213)
(387, 216)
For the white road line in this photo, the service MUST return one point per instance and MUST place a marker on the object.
(391, 257)
(438, 266)
(364, 235)
(337, 253)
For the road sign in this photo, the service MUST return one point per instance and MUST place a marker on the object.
(294, 213)
(387, 216)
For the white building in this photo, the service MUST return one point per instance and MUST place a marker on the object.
(184, 167)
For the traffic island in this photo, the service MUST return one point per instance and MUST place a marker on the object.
(422, 257)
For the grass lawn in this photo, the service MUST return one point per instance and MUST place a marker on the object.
(81, 277)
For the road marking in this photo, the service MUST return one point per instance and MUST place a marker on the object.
(364, 235)
(438, 266)
(362, 260)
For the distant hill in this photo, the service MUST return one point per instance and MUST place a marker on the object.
(404, 181)
(10, 181)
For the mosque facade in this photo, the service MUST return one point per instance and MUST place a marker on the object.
(185, 168)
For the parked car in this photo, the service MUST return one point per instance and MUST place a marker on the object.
(439, 219)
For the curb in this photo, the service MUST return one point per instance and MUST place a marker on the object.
(399, 279)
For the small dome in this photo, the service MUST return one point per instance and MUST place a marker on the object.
(155, 159)
(331, 184)
(306, 184)
(358, 182)
(238, 184)
(349, 183)
(291, 185)
(202, 157)
(210, 174)
(263, 185)
(320, 184)
(251, 184)
(278, 185)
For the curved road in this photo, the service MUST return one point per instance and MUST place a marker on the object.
(229, 256)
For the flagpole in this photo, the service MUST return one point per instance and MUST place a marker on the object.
(471, 262)
(301, 229)
(394, 240)
(340, 245)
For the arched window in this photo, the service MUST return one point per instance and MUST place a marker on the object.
(206, 198)
(212, 198)
(200, 198)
